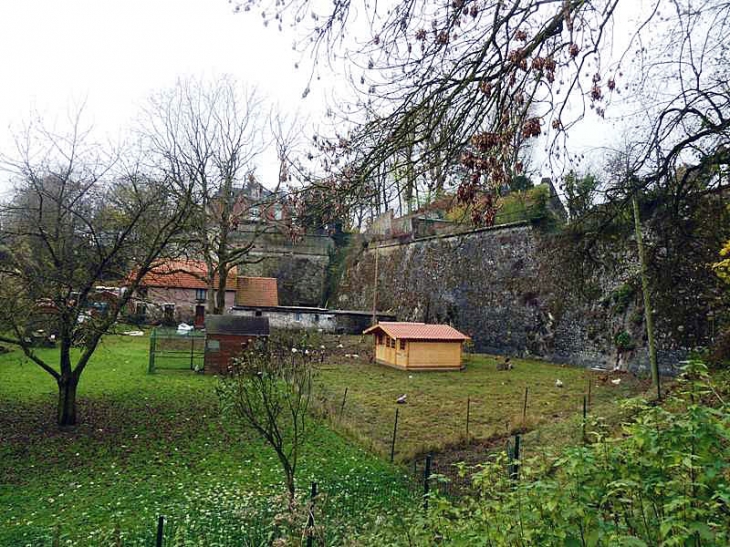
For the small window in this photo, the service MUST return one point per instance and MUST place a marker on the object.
(298, 317)
(316, 318)
(379, 339)
(213, 345)
(258, 313)
(141, 310)
(402, 344)
(200, 294)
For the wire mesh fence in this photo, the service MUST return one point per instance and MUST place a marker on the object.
(171, 349)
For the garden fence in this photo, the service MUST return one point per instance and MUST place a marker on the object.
(173, 350)
(327, 504)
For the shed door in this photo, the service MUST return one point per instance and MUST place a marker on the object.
(199, 316)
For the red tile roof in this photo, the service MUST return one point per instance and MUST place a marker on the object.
(184, 274)
(418, 331)
(257, 291)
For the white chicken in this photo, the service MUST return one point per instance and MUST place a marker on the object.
(558, 383)
(401, 400)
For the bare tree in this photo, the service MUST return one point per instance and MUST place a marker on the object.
(78, 217)
(271, 391)
(208, 136)
(500, 73)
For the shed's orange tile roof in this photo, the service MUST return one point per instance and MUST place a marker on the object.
(418, 331)
(184, 274)
(257, 291)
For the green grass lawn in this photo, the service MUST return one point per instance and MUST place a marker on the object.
(150, 445)
(436, 408)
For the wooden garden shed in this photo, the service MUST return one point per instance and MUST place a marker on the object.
(417, 346)
(226, 336)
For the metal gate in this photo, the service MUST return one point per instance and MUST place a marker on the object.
(172, 350)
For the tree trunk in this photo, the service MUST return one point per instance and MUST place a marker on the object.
(648, 316)
(67, 400)
(220, 297)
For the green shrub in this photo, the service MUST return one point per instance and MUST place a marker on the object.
(662, 481)
(622, 297)
(624, 342)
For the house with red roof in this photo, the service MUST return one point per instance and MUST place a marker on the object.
(177, 291)
(418, 346)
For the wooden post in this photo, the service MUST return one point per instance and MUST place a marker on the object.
(468, 412)
(524, 408)
(342, 406)
(426, 476)
(310, 519)
(160, 529)
(395, 430)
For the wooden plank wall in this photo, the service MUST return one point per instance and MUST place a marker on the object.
(434, 354)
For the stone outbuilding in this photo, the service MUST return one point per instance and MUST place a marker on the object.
(418, 346)
(226, 336)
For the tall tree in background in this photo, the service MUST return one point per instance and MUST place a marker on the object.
(208, 135)
(496, 72)
(78, 217)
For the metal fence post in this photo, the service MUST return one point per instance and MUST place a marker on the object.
(160, 529)
(426, 475)
(151, 366)
(468, 412)
(192, 350)
(590, 386)
(395, 430)
(585, 416)
(524, 408)
(514, 466)
(310, 519)
(342, 406)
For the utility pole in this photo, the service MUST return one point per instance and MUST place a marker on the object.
(375, 290)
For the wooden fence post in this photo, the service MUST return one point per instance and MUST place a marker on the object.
(160, 530)
(310, 519)
(585, 416)
(395, 430)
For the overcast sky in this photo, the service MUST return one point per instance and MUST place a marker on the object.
(112, 54)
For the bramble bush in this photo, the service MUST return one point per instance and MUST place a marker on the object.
(664, 480)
